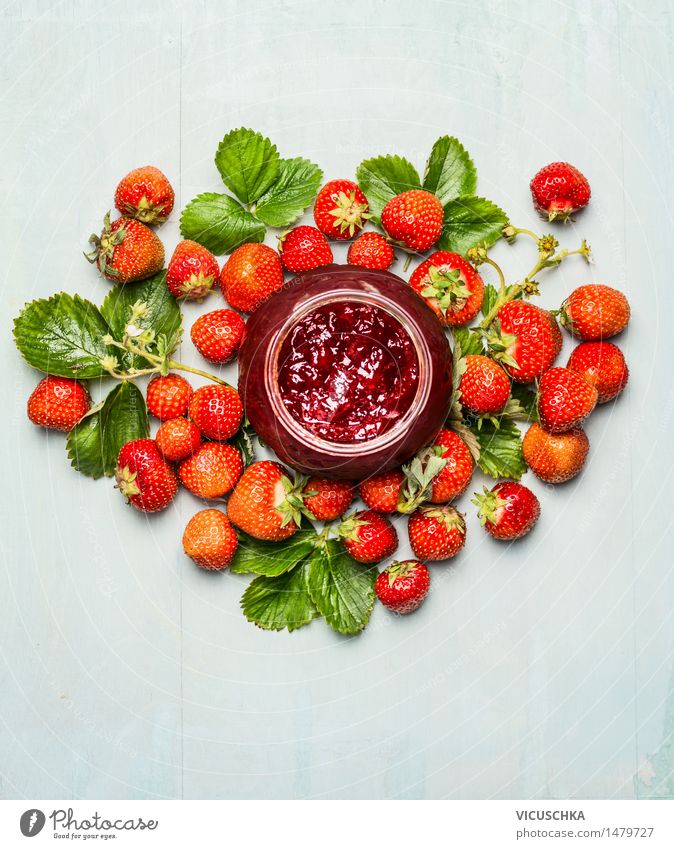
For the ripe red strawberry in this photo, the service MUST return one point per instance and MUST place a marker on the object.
(436, 533)
(192, 271)
(210, 540)
(368, 536)
(565, 399)
(382, 492)
(178, 438)
(414, 219)
(507, 511)
(453, 479)
(403, 586)
(126, 250)
(555, 458)
(212, 471)
(558, 190)
(58, 403)
(595, 312)
(168, 396)
(340, 210)
(217, 411)
(146, 194)
(526, 341)
(217, 335)
(450, 286)
(304, 248)
(484, 386)
(266, 503)
(326, 499)
(603, 365)
(144, 477)
(251, 276)
(371, 250)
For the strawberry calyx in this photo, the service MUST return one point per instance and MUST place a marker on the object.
(400, 569)
(126, 482)
(104, 247)
(447, 516)
(197, 287)
(291, 504)
(500, 345)
(349, 528)
(489, 504)
(147, 211)
(348, 214)
(419, 476)
(446, 287)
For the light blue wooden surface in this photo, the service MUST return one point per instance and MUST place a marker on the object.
(541, 670)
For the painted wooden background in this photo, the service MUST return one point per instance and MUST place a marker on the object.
(541, 670)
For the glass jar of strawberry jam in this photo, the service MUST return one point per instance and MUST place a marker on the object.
(345, 372)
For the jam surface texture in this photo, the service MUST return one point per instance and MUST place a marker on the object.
(348, 371)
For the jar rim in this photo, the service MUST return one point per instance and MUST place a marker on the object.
(271, 369)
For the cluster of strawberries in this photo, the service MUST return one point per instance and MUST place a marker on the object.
(265, 501)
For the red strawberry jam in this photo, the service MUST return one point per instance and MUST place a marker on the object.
(345, 372)
(348, 371)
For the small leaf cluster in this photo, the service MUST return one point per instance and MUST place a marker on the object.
(268, 192)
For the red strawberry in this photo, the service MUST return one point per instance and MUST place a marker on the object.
(382, 492)
(146, 194)
(192, 271)
(555, 458)
(525, 342)
(144, 477)
(340, 210)
(559, 190)
(217, 411)
(327, 500)
(265, 503)
(450, 286)
(368, 536)
(371, 250)
(436, 533)
(178, 438)
(507, 511)
(217, 335)
(58, 403)
(403, 586)
(212, 471)
(210, 540)
(484, 386)
(565, 398)
(168, 396)
(126, 250)
(304, 248)
(438, 474)
(251, 276)
(603, 365)
(414, 219)
(595, 312)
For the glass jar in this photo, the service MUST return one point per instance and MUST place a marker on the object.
(345, 372)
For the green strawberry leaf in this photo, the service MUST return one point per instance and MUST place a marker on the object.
(281, 602)
(272, 558)
(385, 177)
(219, 223)
(248, 163)
(490, 297)
(296, 187)
(163, 314)
(450, 172)
(471, 221)
(243, 440)
(94, 443)
(62, 335)
(341, 588)
(500, 448)
(522, 404)
(469, 341)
